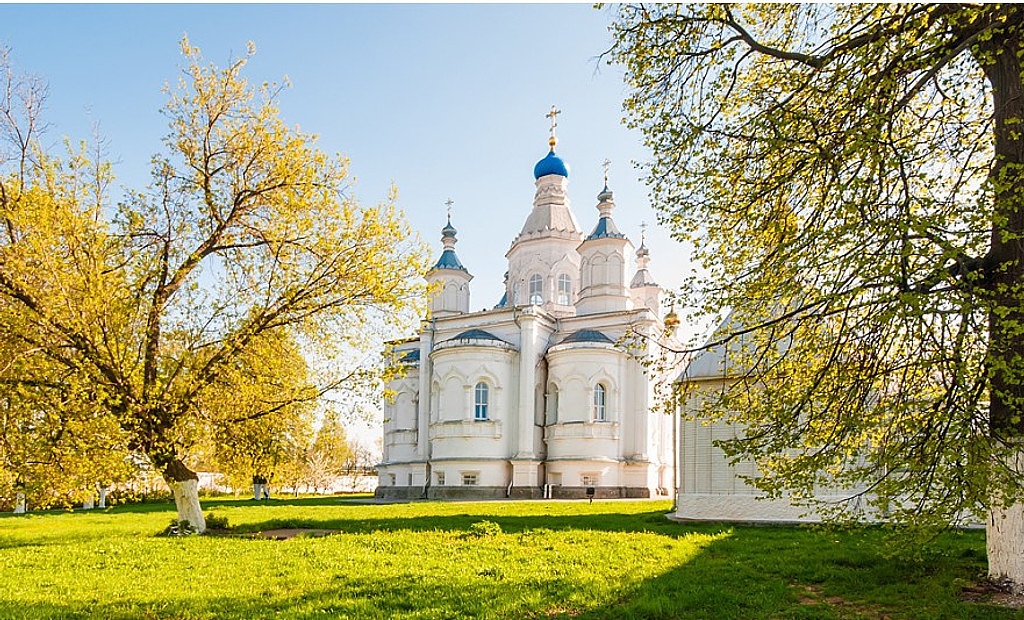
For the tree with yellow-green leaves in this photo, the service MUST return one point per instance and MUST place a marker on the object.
(245, 240)
(260, 409)
(852, 178)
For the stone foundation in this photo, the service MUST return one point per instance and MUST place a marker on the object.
(562, 492)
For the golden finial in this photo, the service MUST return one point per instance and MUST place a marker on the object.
(553, 115)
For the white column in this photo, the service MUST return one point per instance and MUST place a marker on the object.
(423, 406)
(527, 380)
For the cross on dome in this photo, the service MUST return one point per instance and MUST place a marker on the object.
(605, 164)
(553, 115)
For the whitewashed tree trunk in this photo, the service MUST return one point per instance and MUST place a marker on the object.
(89, 503)
(103, 497)
(186, 500)
(19, 504)
(257, 491)
(1004, 535)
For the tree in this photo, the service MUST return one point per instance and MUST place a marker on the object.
(246, 234)
(259, 409)
(56, 447)
(328, 454)
(851, 177)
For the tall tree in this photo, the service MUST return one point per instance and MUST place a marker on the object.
(247, 230)
(851, 177)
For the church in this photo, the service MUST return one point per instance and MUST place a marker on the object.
(546, 393)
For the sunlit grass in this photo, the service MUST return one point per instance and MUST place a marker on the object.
(453, 560)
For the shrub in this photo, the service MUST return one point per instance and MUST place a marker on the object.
(484, 528)
(216, 522)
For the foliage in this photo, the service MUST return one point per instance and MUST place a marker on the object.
(180, 527)
(246, 238)
(561, 559)
(484, 528)
(216, 522)
(261, 409)
(850, 177)
(56, 447)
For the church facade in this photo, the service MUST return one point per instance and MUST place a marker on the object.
(545, 394)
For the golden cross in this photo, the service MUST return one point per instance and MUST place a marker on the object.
(448, 203)
(553, 115)
(607, 162)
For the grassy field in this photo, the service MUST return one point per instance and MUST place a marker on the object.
(481, 559)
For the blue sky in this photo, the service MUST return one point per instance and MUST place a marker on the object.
(442, 100)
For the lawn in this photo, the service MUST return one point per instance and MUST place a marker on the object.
(470, 559)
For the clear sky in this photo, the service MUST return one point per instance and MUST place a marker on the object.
(445, 101)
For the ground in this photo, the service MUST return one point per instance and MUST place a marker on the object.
(474, 559)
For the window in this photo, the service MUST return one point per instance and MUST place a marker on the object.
(469, 478)
(536, 289)
(588, 480)
(409, 479)
(554, 405)
(600, 403)
(440, 478)
(482, 393)
(564, 289)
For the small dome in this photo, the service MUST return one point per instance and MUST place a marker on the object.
(477, 334)
(448, 230)
(588, 335)
(449, 260)
(551, 164)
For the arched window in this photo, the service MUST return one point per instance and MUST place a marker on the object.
(536, 289)
(600, 403)
(481, 399)
(564, 289)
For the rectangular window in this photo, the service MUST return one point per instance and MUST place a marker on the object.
(564, 289)
(469, 478)
(600, 403)
(410, 479)
(440, 478)
(481, 401)
(588, 480)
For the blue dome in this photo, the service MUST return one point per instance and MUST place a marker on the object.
(551, 164)
(449, 260)
(587, 335)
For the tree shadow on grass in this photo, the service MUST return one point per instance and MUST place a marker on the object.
(744, 572)
(652, 521)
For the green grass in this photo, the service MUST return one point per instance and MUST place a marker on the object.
(441, 560)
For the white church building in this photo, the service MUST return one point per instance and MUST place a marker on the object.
(544, 395)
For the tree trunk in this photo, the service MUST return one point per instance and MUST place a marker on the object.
(184, 485)
(1004, 537)
(1000, 58)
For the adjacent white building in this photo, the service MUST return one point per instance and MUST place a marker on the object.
(545, 394)
(710, 487)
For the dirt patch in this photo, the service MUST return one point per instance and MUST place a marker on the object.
(993, 593)
(812, 595)
(293, 532)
